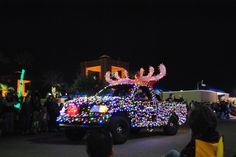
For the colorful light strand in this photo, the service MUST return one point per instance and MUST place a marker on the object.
(141, 113)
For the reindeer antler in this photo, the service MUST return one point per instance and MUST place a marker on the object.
(162, 73)
(139, 78)
(117, 76)
(149, 75)
(126, 74)
(108, 77)
(119, 79)
(141, 72)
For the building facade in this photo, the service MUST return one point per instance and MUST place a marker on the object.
(98, 68)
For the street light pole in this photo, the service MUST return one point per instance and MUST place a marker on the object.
(202, 84)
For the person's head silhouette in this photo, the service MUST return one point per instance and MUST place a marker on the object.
(202, 120)
(99, 144)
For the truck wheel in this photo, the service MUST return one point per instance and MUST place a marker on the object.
(119, 128)
(74, 134)
(172, 127)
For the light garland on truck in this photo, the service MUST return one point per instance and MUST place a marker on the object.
(141, 114)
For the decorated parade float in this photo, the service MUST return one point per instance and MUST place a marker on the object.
(124, 106)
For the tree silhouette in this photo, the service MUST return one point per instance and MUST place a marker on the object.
(53, 79)
(86, 85)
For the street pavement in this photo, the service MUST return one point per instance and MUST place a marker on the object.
(144, 144)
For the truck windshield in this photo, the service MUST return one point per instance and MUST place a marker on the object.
(117, 90)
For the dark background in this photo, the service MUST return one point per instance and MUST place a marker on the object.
(194, 39)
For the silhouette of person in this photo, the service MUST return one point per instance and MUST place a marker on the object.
(99, 144)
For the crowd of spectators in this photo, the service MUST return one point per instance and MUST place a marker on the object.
(221, 108)
(33, 117)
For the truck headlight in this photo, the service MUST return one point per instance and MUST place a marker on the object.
(99, 108)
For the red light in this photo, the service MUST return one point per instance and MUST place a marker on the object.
(72, 110)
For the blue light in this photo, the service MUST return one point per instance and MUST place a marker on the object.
(158, 90)
(216, 90)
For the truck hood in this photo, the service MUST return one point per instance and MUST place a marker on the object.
(98, 100)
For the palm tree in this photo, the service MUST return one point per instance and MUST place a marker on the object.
(53, 80)
(5, 89)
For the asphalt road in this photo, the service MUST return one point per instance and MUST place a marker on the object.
(153, 144)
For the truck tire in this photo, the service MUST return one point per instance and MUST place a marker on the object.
(74, 134)
(120, 129)
(172, 127)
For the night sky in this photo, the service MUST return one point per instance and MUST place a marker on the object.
(195, 40)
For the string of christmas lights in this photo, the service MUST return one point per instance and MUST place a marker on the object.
(99, 109)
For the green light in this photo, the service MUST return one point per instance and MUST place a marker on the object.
(21, 82)
(107, 116)
(18, 105)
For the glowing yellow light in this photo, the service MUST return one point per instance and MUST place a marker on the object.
(4, 89)
(103, 109)
(54, 91)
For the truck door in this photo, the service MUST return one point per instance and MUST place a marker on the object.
(145, 107)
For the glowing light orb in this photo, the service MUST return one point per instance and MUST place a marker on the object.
(72, 110)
